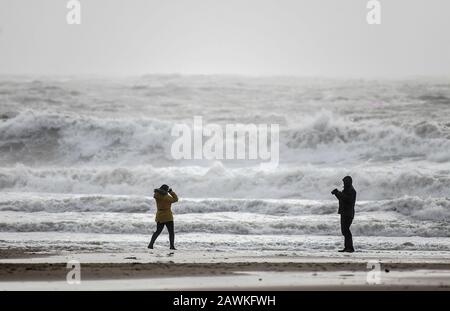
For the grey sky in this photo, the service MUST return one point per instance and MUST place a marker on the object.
(255, 37)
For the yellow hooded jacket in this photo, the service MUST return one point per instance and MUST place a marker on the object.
(163, 206)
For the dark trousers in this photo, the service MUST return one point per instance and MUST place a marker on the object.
(346, 222)
(159, 228)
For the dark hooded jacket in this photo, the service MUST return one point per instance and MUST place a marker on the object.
(347, 199)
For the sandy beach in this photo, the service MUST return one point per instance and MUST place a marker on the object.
(199, 270)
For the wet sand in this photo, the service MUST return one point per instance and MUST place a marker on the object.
(189, 270)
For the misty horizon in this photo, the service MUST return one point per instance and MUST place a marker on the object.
(251, 38)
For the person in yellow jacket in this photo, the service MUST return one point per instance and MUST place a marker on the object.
(164, 197)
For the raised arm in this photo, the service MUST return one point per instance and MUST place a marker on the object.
(173, 195)
(341, 195)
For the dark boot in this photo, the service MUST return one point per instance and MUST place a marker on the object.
(152, 241)
(159, 228)
(150, 245)
(170, 227)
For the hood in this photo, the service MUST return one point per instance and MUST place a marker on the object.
(347, 182)
(161, 191)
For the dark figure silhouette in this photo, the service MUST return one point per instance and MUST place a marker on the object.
(164, 197)
(347, 199)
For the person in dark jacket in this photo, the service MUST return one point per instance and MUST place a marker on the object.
(347, 199)
(164, 197)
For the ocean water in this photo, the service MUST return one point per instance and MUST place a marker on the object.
(80, 157)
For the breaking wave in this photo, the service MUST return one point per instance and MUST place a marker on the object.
(229, 223)
(83, 156)
(307, 182)
(36, 138)
(431, 209)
